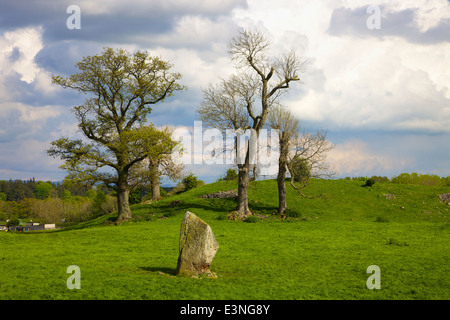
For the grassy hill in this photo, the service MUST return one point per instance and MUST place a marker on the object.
(322, 251)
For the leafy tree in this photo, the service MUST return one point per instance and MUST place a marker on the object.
(66, 196)
(231, 175)
(190, 181)
(12, 222)
(43, 190)
(91, 193)
(160, 147)
(3, 216)
(98, 201)
(135, 197)
(121, 89)
(2, 196)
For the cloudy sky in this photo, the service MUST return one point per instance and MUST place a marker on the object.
(379, 85)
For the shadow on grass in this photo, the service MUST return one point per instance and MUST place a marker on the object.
(168, 271)
(96, 222)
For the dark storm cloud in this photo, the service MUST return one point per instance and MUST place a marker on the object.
(119, 24)
(345, 21)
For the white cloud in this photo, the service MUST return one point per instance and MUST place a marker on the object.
(362, 82)
(355, 158)
(25, 44)
(198, 70)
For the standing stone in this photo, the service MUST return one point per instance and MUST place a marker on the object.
(198, 246)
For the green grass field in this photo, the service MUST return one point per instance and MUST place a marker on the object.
(321, 252)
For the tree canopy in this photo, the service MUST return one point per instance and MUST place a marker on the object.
(121, 89)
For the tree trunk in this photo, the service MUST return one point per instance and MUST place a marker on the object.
(281, 189)
(281, 177)
(156, 195)
(123, 201)
(243, 210)
(154, 172)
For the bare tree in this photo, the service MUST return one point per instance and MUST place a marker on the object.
(310, 151)
(303, 154)
(283, 120)
(244, 101)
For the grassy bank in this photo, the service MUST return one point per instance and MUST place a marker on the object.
(321, 252)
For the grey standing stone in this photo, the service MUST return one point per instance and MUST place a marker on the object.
(198, 246)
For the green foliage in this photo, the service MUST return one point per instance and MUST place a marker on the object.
(408, 178)
(445, 181)
(12, 222)
(380, 179)
(43, 190)
(66, 196)
(231, 175)
(121, 88)
(300, 169)
(134, 197)
(162, 192)
(369, 182)
(97, 203)
(419, 179)
(190, 181)
(91, 193)
(2, 196)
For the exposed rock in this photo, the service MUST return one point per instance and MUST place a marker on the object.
(198, 246)
(445, 197)
(221, 194)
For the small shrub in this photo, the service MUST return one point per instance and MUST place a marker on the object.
(301, 169)
(231, 175)
(190, 182)
(13, 222)
(369, 182)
